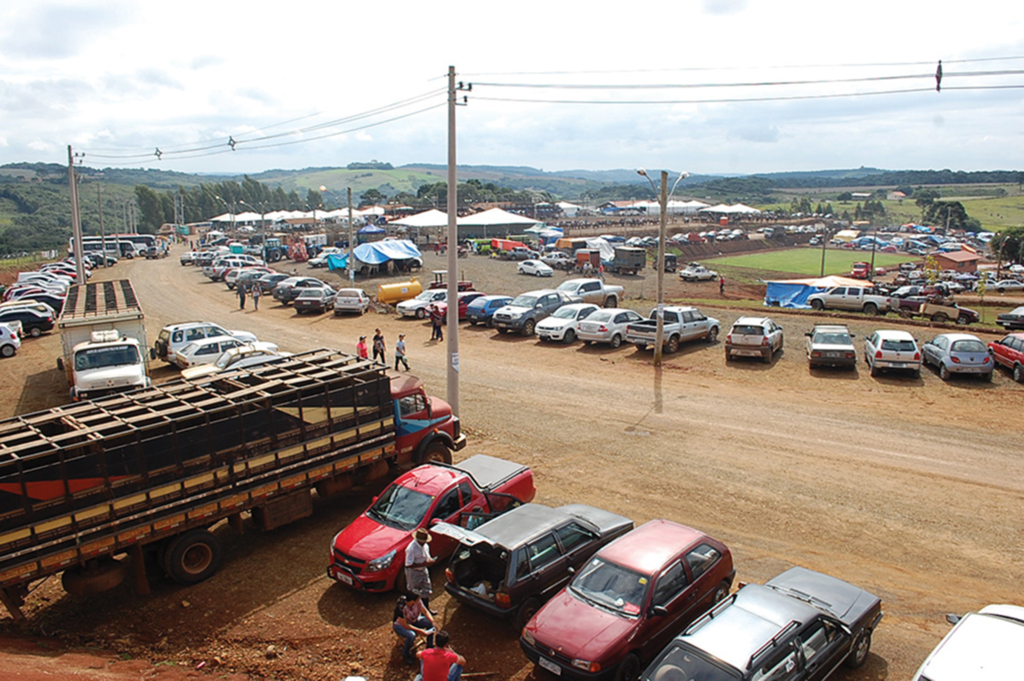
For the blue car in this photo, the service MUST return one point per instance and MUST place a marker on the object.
(481, 310)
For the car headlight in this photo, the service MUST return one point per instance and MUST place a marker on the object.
(528, 637)
(587, 665)
(382, 563)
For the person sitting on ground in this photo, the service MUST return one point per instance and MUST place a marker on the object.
(440, 663)
(409, 620)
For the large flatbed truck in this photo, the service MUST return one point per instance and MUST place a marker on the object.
(147, 473)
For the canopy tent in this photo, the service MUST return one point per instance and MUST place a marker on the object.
(793, 293)
(430, 218)
(735, 209)
(371, 229)
(570, 210)
(495, 217)
(376, 253)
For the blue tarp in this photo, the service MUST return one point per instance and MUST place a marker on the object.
(371, 229)
(781, 294)
(376, 253)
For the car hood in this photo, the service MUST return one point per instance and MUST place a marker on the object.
(556, 323)
(844, 601)
(366, 539)
(579, 630)
(413, 304)
(124, 374)
(513, 310)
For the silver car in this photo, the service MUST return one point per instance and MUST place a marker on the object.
(958, 353)
(607, 326)
(351, 300)
(891, 349)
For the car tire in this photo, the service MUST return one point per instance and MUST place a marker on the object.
(629, 669)
(722, 592)
(7, 351)
(818, 305)
(611, 302)
(35, 332)
(712, 334)
(569, 336)
(940, 318)
(472, 322)
(874, 371)
(1001, 290)
(963, 320)
(525, 613)
(421, 313)
(987, 377)
(728, 356)
(944, 372)
(1018, 373)
(672, 345)
(528, 327)
(859, 651)
(616, 341)
(871, 309)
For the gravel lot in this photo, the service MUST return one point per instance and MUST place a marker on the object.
(911, 488)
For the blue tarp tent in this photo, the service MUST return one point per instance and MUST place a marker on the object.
(371, 229)
(377, 252)
(794, 293)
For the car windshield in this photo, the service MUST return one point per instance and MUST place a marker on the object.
(969, 345)
(601, 316)
(348, 293)
(113, 356)
(569, 286)
(189, 349)
(401, 507)
(566, 313)
(748, 330)
(832, 339)
(524, 301)
(681, 663)
(611, 586)
(899, 345)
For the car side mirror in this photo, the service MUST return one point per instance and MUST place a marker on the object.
(808, 334)
(952, 619)
(659, 611)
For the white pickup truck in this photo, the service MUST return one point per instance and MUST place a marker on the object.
(855, 298)
(681, 324)
(592, 291)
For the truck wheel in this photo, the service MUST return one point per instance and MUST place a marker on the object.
(436, 452)
(528, 327)
(630, 669)
(501, 329)
(871, 309)
(818, 305)
(940, 317)
(94, 579)
(859, 653)
(193, 557)
(672, 345)
(525, 613)
(421, 313)
(712, 334)
(612, 301)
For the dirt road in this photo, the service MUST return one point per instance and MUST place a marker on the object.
(911, 488)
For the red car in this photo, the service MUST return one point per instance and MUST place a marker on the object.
(369, 554)
(628, 602)
(465, 298)
(1009, 352)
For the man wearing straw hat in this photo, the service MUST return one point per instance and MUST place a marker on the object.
(417, 560)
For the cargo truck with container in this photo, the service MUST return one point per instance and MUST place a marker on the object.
(103, 339)
(102, 489)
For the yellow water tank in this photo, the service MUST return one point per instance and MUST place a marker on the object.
(396, 293)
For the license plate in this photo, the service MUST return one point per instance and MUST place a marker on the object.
(550, 666)
(343, 577)
(898, 365)
(832, 354)
(746, 353)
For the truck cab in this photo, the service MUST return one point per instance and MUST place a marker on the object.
(107, 363)
(425, 429)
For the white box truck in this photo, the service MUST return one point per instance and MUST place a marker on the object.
(103, 337)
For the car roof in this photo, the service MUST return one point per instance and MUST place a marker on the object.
(755, 321)
(1019, 334)
(954, 337)
(650, 547)
(213, 339)
(831, 328)
(538, 292)
(893, 334)
(186, 325)
(522, 524)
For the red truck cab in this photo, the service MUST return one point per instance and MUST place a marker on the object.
(425, 429)
(861, 270)
(369, 554)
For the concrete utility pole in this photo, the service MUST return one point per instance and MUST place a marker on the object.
(76, 219)
(453, 254)
(103, 234)
(351, 260)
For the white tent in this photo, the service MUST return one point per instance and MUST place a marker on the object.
(570, 210)
(248, 216)
(226, 217)
(430, 218)
(720, 208)
(495, 217)
(742, 208)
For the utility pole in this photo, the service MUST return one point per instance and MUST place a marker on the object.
(659, 337)
(453, 252)
(76, 219)
(103, 234)
(824, 241)
(351, 260)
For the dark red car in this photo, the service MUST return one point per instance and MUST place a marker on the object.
(628, 602)
(1009, 352)
(465, 298)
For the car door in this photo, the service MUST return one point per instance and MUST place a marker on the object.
(783, 664)
(547, 565)
(687, 325)
(578, 544)
(673, 600)
(935, 349)
(448, 509)
(821, 647)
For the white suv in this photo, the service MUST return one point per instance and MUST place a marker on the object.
(983, 646)
(888, 349)
(754, 337)
(176, 336)
(9, 340)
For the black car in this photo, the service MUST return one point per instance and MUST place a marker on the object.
(268, 282)
(509, 566)
(801, 626)
(1014, 319)
(287, 291)
(32, 322)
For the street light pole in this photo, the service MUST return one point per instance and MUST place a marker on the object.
(351, 260)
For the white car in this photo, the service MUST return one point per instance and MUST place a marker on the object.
(557, 259)
(209, 350)
(607, 326)
(351, 300)
(417, 307)
(244, 356)
(320, 259)
(10, 340)
(1011, 285)
(889, 349)
(754, 337)
(563, 324)
(983, 646)
(697, 273)
(534, 267)
(176, 336)
(232, 275)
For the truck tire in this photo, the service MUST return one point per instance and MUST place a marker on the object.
(871, 309)
(193, 557)
(672, 345)
(528, 327)
(104, 575)
(435, 452)
(818, 305)
(859, 651)
(712, 334)
(611, 301)
(940, 318)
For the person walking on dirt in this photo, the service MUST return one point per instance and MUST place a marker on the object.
(400, 352)
(361, 348)
(437, 322)
(721, 285)
(241, 297)
(417, 560)
(440, 663)
(255, 297)
(378, 346)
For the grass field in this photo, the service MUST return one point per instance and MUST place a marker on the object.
(805, 261)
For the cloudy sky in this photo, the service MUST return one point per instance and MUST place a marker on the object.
(709, 86)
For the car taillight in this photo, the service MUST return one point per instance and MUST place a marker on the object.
(851, 355)
(986, 359)
(815, 353)
(956, 360)
(449, 575)
(603, 328)
(502, 599)
(917, 356)
(878, 354)
(764, 340)
(728, 338)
